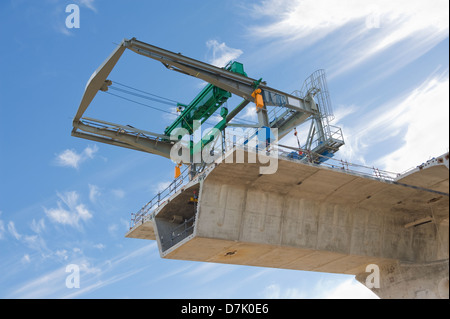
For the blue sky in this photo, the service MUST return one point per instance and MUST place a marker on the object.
(67, 201)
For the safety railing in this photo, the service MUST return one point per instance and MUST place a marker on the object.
(292, 153)
(333, 136)
(313, 158)
(160, 198)
(180, 232)
(336, 133)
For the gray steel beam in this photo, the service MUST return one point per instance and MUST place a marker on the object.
(236, 110)
(293, 121)
(125, 127)
(109, 141)
(137, 142)
(232, 82)
(137, 139)
(97, 80)
(229, 81)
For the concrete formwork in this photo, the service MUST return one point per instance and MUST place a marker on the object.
(314, 218)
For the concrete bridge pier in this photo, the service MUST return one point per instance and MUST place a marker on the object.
(410, 281)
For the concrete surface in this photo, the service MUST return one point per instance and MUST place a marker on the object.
(314, 218)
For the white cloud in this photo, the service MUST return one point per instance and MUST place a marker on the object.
(274, 291)
(425, 114)
(68, 158)
(37, 227)
(88, 4)
(324, 16)
(208, 272)
(348, 289)
(221, 53)
(162, 186)
(26, 259)
(62, 253)
(367, 28)
(12, 230)
(418, 121)
(34, 242)
(94, 193)
(73, 159)
(118, 193)
(99, 246)
(2, 229)
(249, 114)
(343, 111)
(71, 213)
(112, 229)
(52, 283)
(43, 286)
(61, 28)
(89, 151)
(323, 289)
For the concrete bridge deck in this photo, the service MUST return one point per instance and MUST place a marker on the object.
(314, 218)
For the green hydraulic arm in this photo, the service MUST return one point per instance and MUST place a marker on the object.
(204, 104)
(202, 107)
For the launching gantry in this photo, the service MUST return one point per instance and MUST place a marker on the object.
(286, 110)
(311, 214)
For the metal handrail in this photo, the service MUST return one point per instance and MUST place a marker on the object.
(159, 198)
(309, 157)
(175, 235)
(339, 164)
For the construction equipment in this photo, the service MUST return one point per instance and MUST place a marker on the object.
(304, 216)
(275, 109)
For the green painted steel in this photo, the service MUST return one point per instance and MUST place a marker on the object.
(203, 105)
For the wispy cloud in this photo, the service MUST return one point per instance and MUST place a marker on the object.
(69, 210)
(37, 226)
(424, 114)
(72, 158)
(12, 230)
(43, 286)
(360, 29)
(323, 289)
(59, 15)
(221, 54)
(162, 186)
(2, 229)
(208, 272)
(118, 193)
(88, 4)
(94, 193)
(26, 259)
(92, 276)
(347, 289)
(34, 242)
(99, 246)
(417, 120)
(61, 28)
(275, 291)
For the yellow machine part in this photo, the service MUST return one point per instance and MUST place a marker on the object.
(258, 99)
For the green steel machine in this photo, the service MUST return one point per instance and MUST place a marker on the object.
(275, 109)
